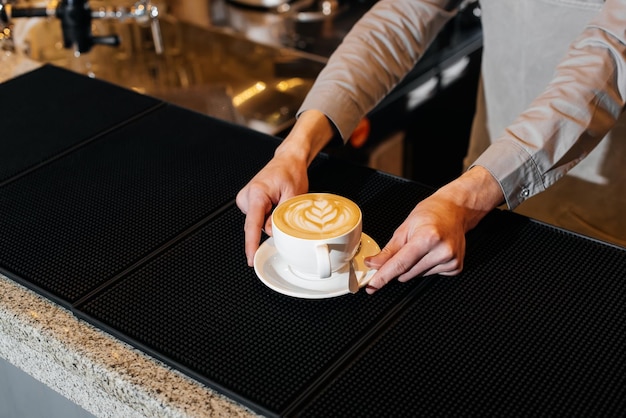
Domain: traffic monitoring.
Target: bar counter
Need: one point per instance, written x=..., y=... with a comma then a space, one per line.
x=124, y=279
x=103, y=375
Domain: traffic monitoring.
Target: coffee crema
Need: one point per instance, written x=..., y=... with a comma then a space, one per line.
x=316, y=216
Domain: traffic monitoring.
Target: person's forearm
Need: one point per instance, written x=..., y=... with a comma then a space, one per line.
x=582, y=102
x=377, y=53
x=307, y=138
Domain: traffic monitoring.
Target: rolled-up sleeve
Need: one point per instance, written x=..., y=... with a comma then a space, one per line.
x=373, y=58
x=572, y=115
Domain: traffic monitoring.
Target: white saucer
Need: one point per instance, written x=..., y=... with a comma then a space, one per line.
x=277, y=275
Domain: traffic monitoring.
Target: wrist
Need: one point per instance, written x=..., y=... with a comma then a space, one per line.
x=294, y=151
x=307, y=138
x=476, y=191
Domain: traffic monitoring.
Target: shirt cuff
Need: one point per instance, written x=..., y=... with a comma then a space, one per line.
x=345, y=114
x=514, y=169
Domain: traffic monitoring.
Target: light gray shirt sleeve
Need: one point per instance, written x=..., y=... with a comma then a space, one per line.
x=373, y=58
x=576, y=110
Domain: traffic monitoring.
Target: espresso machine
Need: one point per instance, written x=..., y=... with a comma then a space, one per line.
x=76, y=16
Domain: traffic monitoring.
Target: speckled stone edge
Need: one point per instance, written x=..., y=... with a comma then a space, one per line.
x=102, y=374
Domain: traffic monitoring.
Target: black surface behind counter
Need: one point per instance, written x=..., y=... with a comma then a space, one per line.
x=129, y=220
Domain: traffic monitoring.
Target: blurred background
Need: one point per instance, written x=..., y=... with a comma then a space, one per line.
x=251, y=62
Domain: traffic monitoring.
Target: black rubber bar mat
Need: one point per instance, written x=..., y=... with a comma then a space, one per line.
x=74, y=224
x=75, y=109
x=136, y=231
x=198, y=307
x=519, y=333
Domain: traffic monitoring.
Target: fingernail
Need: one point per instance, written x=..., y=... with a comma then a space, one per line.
x=368, y=263
x=370, y=290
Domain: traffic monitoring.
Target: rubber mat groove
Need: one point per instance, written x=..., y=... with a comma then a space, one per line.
x=53, y=109
x=356, y=349
x=154, y=253
x=80, y=144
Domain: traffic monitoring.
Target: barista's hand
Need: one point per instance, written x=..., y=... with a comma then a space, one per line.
x=283, y=177
x=432, y=238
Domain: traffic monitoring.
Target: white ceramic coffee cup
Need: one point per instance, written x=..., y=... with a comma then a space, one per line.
x=317, y=233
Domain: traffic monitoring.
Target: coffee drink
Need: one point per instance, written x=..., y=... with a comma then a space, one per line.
x=317, y=216
x=317, y=233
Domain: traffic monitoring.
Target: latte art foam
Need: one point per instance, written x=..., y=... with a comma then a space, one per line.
x=316, y=216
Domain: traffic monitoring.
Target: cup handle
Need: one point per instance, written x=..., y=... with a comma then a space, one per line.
x=323, y=261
